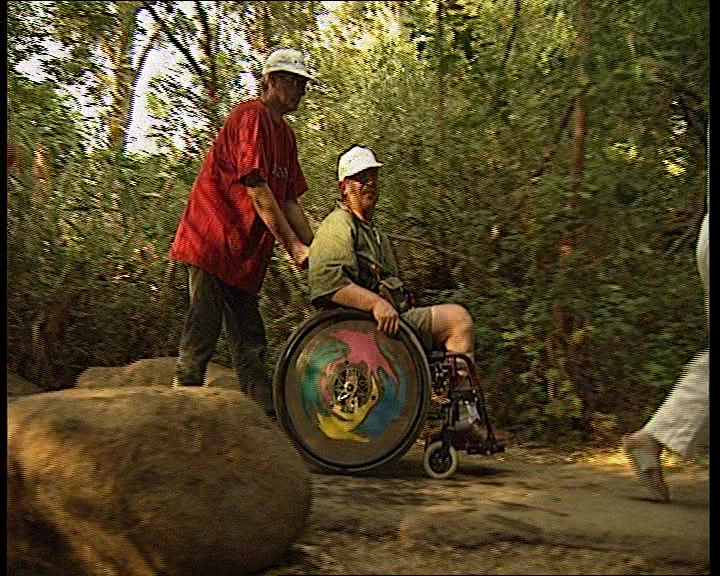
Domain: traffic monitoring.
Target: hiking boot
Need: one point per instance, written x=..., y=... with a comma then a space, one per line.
x=468, y=427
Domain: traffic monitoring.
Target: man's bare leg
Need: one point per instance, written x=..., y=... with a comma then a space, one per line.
x=452, y=328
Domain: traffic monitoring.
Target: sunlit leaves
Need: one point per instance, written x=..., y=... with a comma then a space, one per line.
x=26, y=22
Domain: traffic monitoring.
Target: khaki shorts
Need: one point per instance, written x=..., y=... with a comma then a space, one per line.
x=420, y=320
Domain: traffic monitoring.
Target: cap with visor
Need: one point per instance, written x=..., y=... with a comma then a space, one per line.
x=287, y=60
x=355, y=161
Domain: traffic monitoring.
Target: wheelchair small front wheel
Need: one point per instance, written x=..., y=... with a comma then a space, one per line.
x=440, y=461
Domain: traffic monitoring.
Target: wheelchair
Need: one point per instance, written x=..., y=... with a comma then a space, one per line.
x=352, y=398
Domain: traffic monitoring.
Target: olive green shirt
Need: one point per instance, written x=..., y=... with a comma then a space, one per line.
x=342, y=245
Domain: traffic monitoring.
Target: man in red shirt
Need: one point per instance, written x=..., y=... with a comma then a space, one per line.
x=244, y=199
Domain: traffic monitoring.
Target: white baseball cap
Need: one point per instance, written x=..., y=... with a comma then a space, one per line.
x=356, y=160
x=286, y=60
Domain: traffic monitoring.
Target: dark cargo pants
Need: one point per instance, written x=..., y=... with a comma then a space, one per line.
x=213, y=302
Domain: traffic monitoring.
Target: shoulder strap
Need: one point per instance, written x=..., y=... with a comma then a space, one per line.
x=355, y=229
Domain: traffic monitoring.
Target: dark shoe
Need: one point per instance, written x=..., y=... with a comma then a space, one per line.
x=477, y=435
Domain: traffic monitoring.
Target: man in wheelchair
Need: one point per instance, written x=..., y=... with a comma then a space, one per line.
x=351, y=264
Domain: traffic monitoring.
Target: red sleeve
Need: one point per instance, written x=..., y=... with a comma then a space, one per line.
x=297, y=183
x=245, y=143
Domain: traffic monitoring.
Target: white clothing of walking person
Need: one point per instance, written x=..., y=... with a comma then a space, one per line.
x=681, y=422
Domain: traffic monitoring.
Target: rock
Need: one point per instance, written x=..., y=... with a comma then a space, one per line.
x=463, y=528
x=100, y=377
x=149, y=481
x=18, y=386
x=152, y=372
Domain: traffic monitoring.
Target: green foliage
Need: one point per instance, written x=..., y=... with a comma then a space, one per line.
x=36, y=113
x=575, y=344
x=87, y=31
x=90, y=253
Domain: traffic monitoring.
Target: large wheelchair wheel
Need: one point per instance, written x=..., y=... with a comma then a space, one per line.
x=350, y=397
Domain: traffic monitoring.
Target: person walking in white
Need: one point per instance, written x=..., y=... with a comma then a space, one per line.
x=681, y=422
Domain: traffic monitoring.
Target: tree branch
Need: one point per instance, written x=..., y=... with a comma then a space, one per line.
x=136, y=77
x=144, y=53
x=185, y=52
x=511, y=39
x=495, y=104
x=211, y=63
x=552, y=148
x=545, y=164
x=457, y=255
x=440, y=15
x=202, y=16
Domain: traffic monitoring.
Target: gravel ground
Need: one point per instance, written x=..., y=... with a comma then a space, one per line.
x=529, y=511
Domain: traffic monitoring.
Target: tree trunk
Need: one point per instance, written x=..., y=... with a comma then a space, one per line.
x=122, y=75
x=580, y=132
x=441, y=87
x=137, y=71
x=208, y=43
x=558, y=343
x=567, y=244
x=41, y=175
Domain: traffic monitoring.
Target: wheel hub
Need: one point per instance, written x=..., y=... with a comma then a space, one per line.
x=440, y=461
x=351, y=388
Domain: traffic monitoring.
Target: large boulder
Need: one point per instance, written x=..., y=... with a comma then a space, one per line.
x=152, y=372
x=149, y=481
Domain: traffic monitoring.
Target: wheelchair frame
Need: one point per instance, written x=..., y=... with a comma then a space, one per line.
x=440, y=459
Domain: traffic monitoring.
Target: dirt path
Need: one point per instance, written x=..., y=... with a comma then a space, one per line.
x=524, y=512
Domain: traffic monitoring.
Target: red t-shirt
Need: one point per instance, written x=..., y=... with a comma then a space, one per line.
x=220, y=232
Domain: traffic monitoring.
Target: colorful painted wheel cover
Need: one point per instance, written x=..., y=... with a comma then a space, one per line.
x=352, y=393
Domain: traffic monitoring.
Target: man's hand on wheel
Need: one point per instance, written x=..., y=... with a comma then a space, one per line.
x=387, y=317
